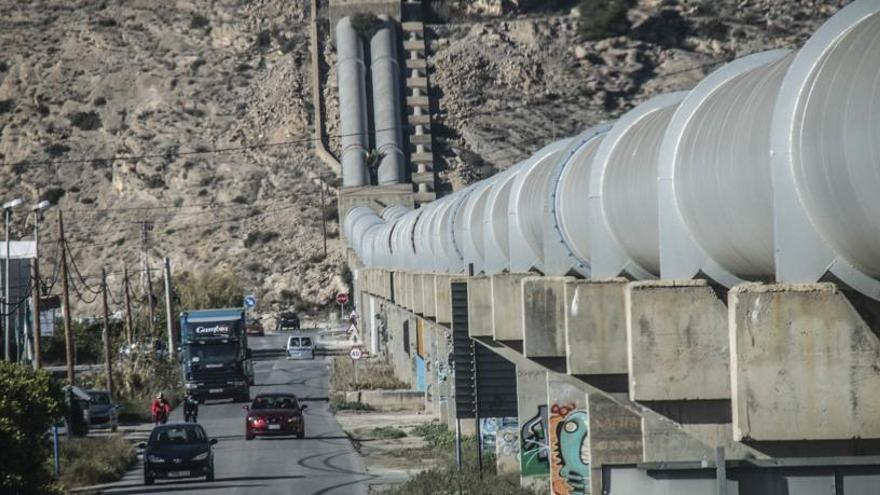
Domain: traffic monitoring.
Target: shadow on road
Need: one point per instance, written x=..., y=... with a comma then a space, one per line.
x=197, y=485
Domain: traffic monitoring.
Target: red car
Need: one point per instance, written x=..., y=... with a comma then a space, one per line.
x=255, y=327
x=274, y=414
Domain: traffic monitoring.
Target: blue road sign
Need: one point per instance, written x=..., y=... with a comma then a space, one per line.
x=250, y=301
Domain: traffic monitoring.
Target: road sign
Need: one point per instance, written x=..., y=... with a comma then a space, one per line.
x=355, y=353
x=342, y=298
x=250, y=301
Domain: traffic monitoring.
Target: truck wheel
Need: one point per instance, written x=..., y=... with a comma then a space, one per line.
x=148, y=478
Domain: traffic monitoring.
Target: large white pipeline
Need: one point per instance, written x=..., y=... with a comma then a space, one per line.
x=768, y=169
x=386, y=103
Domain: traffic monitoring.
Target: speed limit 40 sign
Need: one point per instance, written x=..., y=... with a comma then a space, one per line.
x=356, y=353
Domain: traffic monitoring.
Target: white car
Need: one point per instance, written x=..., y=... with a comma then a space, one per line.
x=300, y=347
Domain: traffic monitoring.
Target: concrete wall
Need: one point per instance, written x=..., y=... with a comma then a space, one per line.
x=479, y=307
x=531, y=391
x=507, y=325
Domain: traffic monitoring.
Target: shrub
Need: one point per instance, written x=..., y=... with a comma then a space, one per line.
x=387, y=433
x=87, y=121
x=199, y=21
x=57, y=149
x=209, y=289
x=372, y=375
x=31, y=402
x=365, y=24
x=90, y=461
x=338, y=403
x=449, y=480
x=5, y=106
x=604, y=18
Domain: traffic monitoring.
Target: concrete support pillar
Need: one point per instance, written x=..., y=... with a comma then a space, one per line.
x=544, y=320
x=479, y=306
x=531, y=392
x=429, y=303
x=443, y=298
x=397, y=292
x=595, y=333
x=804, y=365
x=568, y=429
x=416, y=294
x=507, y=310
x=615, y=437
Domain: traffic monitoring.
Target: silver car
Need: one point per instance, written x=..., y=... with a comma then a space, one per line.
x=103, y=413
x=300, y=347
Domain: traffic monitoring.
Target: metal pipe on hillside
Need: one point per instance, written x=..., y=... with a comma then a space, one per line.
x=387, y=117
x=350, y=74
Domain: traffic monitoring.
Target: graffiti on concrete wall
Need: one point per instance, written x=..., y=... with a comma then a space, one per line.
x=568, y=430
x=507, y=442
x=534, y=450
x=491, y=430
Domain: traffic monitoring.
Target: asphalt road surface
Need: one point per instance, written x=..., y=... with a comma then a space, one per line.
x=323, y=463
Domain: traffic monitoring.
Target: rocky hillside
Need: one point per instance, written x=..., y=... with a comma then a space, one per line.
x=116, y=109
x=515, y=74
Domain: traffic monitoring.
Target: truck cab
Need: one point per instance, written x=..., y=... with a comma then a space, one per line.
x=214, y=354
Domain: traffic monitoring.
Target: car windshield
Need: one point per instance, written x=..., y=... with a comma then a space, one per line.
x=274, y=402
x=299, y=342
x=212, y=352
x=306, y=342
x=182, y=434
x=101, y=398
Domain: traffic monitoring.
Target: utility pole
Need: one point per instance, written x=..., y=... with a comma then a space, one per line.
x=323, y=218
x=169, y=321
x=35, y=307
x=108, y=359
x=146, y=227
x=129, y=328
x=65, y=299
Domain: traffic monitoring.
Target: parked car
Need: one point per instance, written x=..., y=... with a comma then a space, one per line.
x=274, y=414
x=103, y=413
x=180, y=450
x=255, y=328
x=287, y=322
x=300, y=347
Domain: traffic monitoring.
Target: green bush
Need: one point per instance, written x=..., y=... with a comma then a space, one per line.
x=372, y=375
x=448, y=480
x=30, y=402
x=437, y=435
x=387, y=433
x=90, y=461
x=604, y=18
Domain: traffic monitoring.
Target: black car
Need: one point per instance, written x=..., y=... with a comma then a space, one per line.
x=178, y=451
x=287, y=322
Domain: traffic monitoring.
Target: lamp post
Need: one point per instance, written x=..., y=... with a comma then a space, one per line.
x=7, y=323
x=38, y=210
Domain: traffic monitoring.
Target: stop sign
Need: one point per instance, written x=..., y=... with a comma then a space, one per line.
x=342, y=298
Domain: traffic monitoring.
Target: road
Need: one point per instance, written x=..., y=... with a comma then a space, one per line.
x=323, y=463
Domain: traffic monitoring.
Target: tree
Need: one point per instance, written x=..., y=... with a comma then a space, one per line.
x=374, y=159
x=30, y=402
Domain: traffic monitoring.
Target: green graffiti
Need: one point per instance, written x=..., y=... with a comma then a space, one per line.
x=573, y=433
x=535, y=454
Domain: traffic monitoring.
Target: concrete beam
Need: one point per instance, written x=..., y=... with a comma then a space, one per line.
x=544, y=320
x=531, y=393
x=507, y=310
x=595, y=333
x=479, y=306
x=615, y=437
x=674, y=328
x=443, y=298
x=429, y=303
x=417, y=301
x=805, y=364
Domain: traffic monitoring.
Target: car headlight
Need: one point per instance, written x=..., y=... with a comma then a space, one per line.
x=201, y=457
x=155, y=459
x=293, y=419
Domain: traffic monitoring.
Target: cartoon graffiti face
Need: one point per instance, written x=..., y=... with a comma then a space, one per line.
x=535, y=453
x=574, y=453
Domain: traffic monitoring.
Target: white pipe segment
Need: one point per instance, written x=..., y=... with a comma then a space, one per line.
x=715, y=177
x=387, y=117
x=350, y=74
x=624, y=231
x=358, y=220
x=569, y=205
x=497, y=240
x=402, y=248
x=473, y=226
x=826, y=162
x=528, y=208
x=423, y=241
x=454, y=261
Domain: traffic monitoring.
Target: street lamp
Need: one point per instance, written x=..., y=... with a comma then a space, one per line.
x=38, y=210
x=7, y=324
